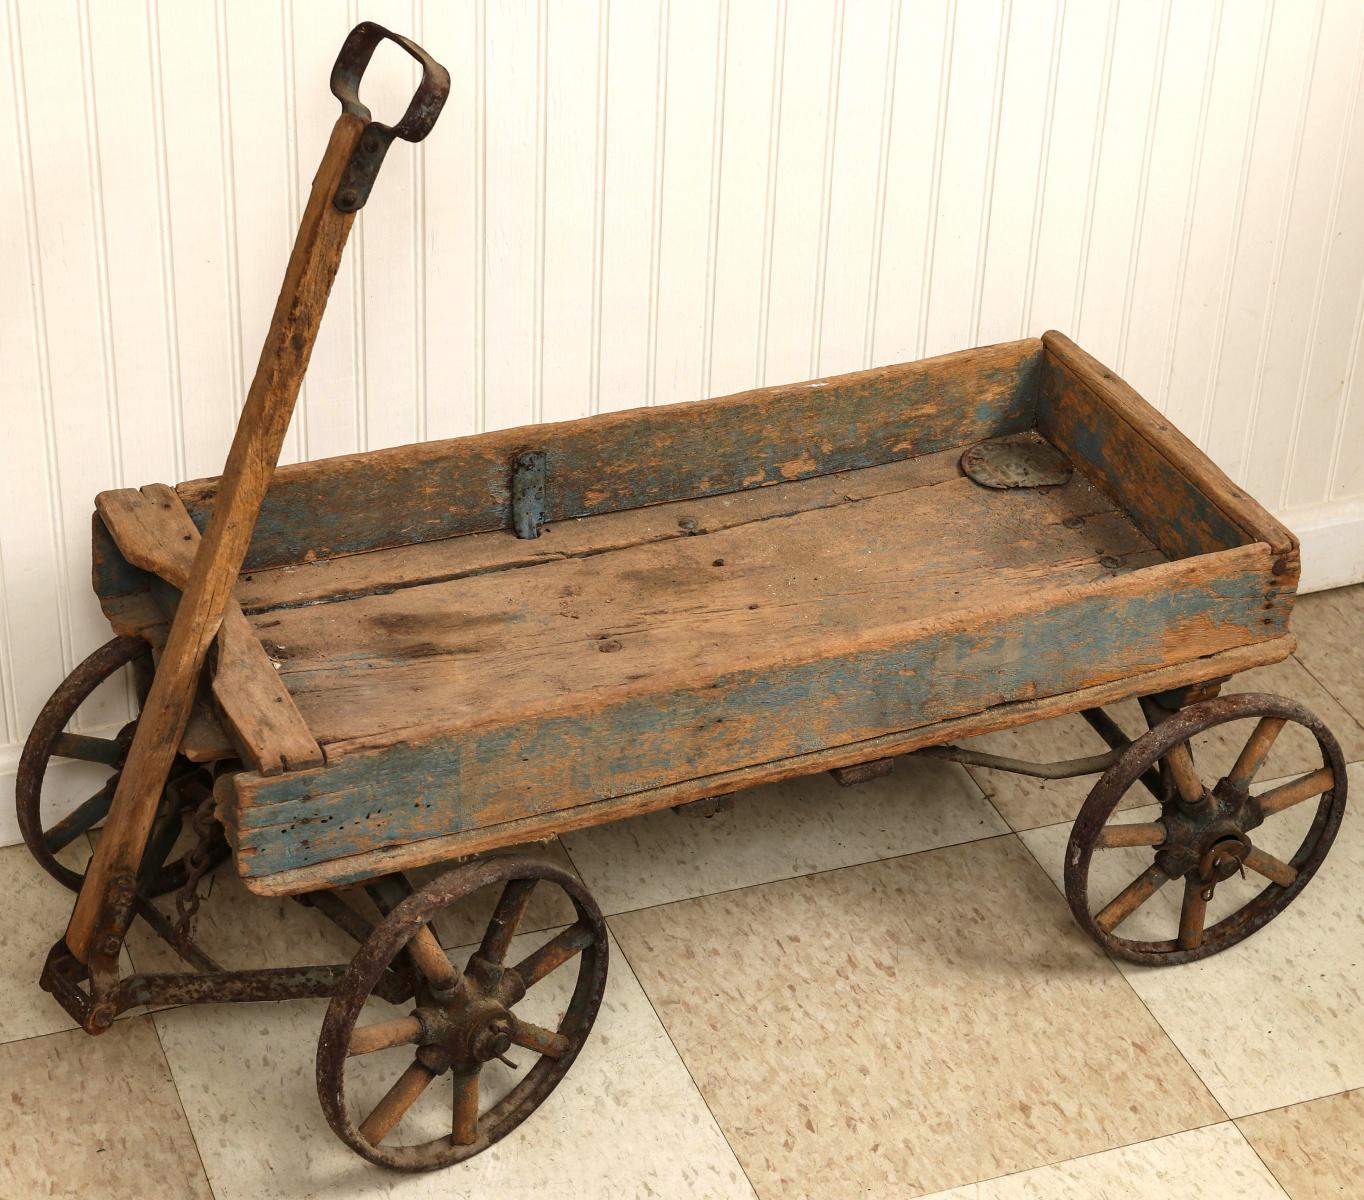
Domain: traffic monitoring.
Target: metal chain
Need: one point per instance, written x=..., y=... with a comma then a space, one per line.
x=197, y=861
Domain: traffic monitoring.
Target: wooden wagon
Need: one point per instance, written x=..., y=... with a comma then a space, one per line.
x=357, y=667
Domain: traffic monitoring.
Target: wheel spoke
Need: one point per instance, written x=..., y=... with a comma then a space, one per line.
x=90, y=749
x=431, y=960
x=384, y=1035
x=1141, y=833
x=1295, y=792
x=464, y=1127
x=553, y=954
x=1256, y=750
x=537, y=1038
x=1185, y=775
x=1275, y=869
x=1131, y=898
x=89, y=813
x=399, y=1098
x=1193, y=914
x=511, y=907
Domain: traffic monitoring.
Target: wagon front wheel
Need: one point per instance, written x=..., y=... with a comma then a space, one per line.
x=1221, y=844
x=495, y=1038
x=51, y=739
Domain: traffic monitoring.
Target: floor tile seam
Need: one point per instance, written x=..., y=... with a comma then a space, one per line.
x=180, y=1100
x=667, y=1033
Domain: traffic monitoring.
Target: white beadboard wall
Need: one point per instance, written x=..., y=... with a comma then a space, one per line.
x=641, y=201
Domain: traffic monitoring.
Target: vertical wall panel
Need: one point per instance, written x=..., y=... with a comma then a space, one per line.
x=686, y=216
x=753, y=85
x=648, y=201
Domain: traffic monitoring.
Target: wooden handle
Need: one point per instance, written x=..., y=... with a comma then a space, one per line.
x=250, y=464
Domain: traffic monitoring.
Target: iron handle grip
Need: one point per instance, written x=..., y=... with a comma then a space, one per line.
x=416, y=122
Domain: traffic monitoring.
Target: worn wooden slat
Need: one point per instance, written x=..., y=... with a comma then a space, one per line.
x=250, y=463
x=1174, y=492
x=582, y=630
x=392, y=568
x=366, y=864
x=505, y=765
x=622, y=460
x=155, y=533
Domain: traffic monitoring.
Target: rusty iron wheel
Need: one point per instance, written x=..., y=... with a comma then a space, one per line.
x=1205, y=834
x=49, y=739
x=461, y=1020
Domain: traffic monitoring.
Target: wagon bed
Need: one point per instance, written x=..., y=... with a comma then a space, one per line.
x=772, y=583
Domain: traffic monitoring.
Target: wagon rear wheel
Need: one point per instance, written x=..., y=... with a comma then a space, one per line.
x=467, y=1025
x=1208, y=835
x=50, y=739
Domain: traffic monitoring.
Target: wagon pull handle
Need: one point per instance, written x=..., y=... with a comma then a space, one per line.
x=354, y=152
x=427, y=101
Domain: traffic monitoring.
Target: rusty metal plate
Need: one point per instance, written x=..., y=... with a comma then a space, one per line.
x=1021, y=460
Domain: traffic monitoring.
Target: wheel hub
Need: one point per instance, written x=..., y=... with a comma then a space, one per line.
x=469, y=1030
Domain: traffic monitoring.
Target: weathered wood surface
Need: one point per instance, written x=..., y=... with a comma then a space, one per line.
x=313, y=263
x=374, y=861
x=531, y=755
x=396, y=568
x=155, y=533
x=623, y=460
x=575, y=632
x=1170, y=488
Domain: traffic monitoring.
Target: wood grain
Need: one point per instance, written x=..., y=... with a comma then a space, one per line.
x=1172, y=490
x=154, y=532
x=529, y=756
x=367, y=863
x=582, y=630
x=641, y=456
x=250, y=463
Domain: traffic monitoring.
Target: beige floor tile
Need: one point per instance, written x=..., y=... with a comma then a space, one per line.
x=94, y=1117
x=1316, y=1150
x=907, y=1025
x=1330, y=629
x=36, y=909
x=1029, y=803
x=781, y=830
x=626, y=1121
x=1211, y=1164
x=1277, y=1019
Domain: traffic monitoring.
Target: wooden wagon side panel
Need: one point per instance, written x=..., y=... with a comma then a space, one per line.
x=515, y=767
x=623, y=460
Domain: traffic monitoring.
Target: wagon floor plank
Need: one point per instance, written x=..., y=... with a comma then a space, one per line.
x=653, y=598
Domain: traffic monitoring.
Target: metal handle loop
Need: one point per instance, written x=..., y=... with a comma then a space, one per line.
x=416, y=123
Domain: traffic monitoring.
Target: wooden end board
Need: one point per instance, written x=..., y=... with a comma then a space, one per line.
x=1173, y=492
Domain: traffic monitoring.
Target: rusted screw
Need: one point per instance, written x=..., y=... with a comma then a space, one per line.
x=687, y=524
x=109, y=945
x=608, y=646
x=348, y=199
x=1073, y=522
x=1109, y=561
x=719, y=562
x=102, y=1016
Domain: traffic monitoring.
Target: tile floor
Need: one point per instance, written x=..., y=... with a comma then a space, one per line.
x=872, y=992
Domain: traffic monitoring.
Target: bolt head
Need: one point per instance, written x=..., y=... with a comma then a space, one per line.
x=109, y=945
